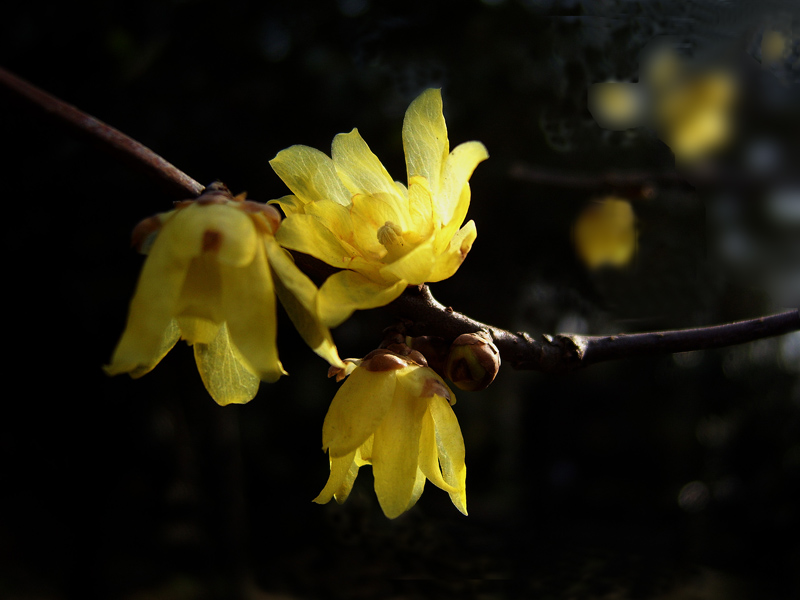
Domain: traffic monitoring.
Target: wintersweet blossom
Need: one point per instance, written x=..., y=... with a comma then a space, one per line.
x=210, y=278
x=394, y=413
x=348, y=212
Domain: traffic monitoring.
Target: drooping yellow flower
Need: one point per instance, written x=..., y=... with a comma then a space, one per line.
x=210, y=278
x=605, y=233
x=396, y=415
x=348, y=212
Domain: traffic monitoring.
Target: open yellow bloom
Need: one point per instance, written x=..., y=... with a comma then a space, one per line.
x=348, y=212
x=210, y=278
x=394, y=414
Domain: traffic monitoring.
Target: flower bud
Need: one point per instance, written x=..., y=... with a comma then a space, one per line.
x=473, y=361
x=383, y=360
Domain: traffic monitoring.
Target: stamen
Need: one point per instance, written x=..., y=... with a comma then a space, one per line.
x=390, y=235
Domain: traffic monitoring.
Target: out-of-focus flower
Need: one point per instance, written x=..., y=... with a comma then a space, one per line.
x=690, y=108
x=394, y=413
x=617, y=105
x=348, y=212
x=605, y=233
x=210, y=278
x=694, y=116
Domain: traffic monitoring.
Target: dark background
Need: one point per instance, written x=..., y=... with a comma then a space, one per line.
x=666, y=477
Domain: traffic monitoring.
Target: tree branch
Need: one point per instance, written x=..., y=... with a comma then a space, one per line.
x=417, y=304
x=563, y=352
x=107, y=137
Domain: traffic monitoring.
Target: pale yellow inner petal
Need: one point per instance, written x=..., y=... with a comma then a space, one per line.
x=358, y=168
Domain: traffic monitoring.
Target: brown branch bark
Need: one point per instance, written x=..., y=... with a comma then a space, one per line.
x=563, y=352
x=417, y=304
x=107, y=137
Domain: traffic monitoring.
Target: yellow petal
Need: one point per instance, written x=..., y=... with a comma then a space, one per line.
x=364, y=452
x=419, y=487
x=414, y=267
x=357, y=410
x=359, y=169
x=226, y=378
x=298, y=294
x=126, y=353
x=425, y=138
x=429, y=455
x=395, y=453
x=310, y=174
x=347, y=291
x=308, y=234
x=189, y=230
x=343, y=474
x=290, y=204
x=448, y=230
x=149, y=333
x=450, y=445
x=248, y=305
x=197, y=330
x=449, y=261
x=458, y=168
x=370, y=213
x=336, y=218
x=201, y=298
x=420, y=207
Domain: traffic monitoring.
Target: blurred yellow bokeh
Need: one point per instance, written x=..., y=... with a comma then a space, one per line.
x=616, y=105
x=690, y=107
x=774, y=45
x=605, y=233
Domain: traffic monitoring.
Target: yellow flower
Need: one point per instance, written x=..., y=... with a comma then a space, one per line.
x=348, y=212
x=210, y=277
x=394, y=414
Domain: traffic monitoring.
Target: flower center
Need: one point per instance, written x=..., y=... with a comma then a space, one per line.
x=390, y=237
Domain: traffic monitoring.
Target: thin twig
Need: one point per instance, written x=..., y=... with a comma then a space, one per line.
x=567, y=351
x=105, y=135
